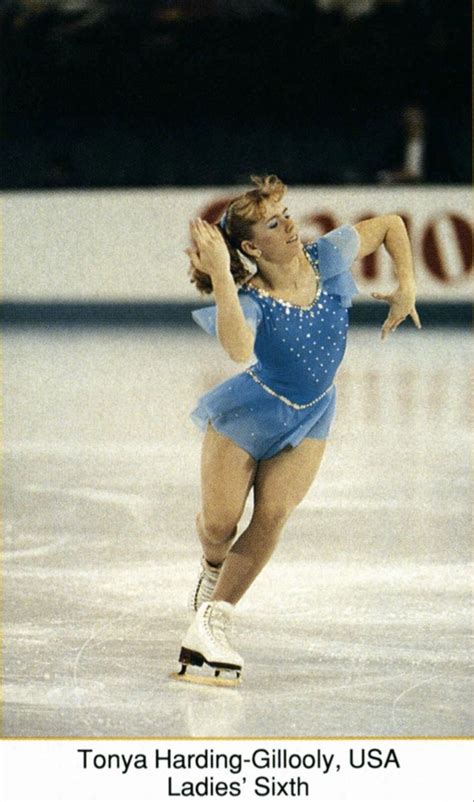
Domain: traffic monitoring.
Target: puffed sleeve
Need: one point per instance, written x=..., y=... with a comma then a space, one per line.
x=206, y=317
x=336, y=252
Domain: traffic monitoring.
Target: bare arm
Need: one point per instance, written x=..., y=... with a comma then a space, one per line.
x=212, y=257
x=235, y=335
x=390, y=230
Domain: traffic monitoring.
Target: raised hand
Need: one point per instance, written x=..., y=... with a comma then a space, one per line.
x=402, y=305
x=210, y=254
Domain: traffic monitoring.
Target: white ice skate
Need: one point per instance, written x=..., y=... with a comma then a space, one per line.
x=204, y=587
x=206, y=642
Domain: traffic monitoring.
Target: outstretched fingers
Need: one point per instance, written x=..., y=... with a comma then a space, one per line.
x=390, y=325
x=203, y=232
x=415, y=318
x=198, y=232
x=395, y=317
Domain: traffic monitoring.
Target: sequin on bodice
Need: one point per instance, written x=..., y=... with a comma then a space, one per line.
x=299, y=348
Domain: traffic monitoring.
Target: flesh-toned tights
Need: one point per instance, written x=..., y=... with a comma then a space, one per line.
x=228, y=473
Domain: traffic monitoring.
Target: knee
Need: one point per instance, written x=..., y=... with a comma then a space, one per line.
x=216, y=530
x=273, y=515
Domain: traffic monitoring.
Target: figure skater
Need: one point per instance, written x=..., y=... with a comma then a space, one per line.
x=266, y=428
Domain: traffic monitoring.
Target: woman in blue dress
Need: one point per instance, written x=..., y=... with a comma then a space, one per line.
x=266, y=428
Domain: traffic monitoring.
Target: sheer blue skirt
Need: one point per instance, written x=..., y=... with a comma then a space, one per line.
x=257, y=421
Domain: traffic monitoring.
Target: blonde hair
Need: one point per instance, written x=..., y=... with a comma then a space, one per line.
x=240, y=216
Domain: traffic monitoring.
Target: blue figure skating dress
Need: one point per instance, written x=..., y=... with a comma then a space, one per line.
x=288, y=394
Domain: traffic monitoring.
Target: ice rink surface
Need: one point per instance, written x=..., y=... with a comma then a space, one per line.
x=359, y=626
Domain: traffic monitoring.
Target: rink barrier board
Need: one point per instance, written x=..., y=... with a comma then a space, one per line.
x=129, y=246
x=457, y=314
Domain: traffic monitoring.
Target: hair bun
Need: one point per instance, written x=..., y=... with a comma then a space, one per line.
x=268, y=185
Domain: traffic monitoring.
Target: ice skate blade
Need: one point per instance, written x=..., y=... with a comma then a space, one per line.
x=205, y=680
x=189, y=657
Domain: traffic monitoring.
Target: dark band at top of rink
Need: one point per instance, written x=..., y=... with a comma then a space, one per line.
x=456, y=314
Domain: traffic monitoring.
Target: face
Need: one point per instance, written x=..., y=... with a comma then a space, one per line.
x=276, y=235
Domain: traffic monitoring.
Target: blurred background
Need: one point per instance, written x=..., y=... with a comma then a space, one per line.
x=109, y=93
x=120, y=121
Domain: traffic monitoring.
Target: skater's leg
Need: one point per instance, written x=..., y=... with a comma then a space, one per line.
x=227, y=475
x=281, y=483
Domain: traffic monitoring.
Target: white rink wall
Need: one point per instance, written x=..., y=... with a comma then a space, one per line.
x=128, y=245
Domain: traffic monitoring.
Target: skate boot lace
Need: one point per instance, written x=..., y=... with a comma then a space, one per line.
x=218, y=625
x=208, y=580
